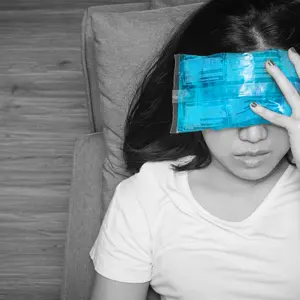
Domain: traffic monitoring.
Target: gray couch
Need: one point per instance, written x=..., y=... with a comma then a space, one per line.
x=84, y=203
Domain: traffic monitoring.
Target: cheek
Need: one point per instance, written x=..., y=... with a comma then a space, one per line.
x=219, y=142
x=280, y=141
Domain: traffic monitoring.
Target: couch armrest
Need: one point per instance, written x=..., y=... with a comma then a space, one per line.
x=84, y=216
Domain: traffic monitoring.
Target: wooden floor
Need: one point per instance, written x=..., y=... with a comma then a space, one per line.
x=42, y=113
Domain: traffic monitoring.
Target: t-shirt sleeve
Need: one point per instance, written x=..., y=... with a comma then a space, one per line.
x=122, y=250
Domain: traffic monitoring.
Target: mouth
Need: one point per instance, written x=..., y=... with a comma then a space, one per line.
x=251, y=159
x=253, y=153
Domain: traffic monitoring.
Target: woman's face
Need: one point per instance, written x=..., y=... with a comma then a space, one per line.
x=230, y=146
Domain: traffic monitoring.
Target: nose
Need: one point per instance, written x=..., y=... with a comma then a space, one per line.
x=253, y=134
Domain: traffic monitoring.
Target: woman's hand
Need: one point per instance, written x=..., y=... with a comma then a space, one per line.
x=292, y=123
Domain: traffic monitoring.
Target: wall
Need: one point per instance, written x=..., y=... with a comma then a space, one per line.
x=42, y=114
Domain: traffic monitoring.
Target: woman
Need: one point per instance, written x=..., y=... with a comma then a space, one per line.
x=196, y=221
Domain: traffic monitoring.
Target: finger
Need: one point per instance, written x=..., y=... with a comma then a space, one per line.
x=295, y=59
x=271, y=116
x=289, y=91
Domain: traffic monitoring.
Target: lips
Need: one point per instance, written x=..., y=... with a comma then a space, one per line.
x=253, y=153
x=253, y=161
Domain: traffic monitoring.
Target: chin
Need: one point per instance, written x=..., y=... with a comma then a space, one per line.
x=252, y=170
x=253, y=173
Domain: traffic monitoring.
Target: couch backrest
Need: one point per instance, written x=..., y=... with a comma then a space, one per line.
x=88, y=58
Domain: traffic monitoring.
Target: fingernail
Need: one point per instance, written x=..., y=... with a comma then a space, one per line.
x=253, y=104
x=293, y=50
x=271, y=63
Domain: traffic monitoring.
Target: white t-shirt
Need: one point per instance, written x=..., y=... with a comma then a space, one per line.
x=155, y=230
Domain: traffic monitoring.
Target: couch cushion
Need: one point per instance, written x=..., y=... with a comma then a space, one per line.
x=88, y=58
x=124, y=44
x=165, y=3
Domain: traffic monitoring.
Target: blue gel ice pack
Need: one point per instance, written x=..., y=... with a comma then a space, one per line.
x=215, y=91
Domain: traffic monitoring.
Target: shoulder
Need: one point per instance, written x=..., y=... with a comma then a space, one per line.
x=160, y=172
x=151, y=178
x=149, y=187
x=156, y=172
x=151, y=174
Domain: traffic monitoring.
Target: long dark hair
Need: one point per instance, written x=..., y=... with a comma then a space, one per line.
x=217, y=26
